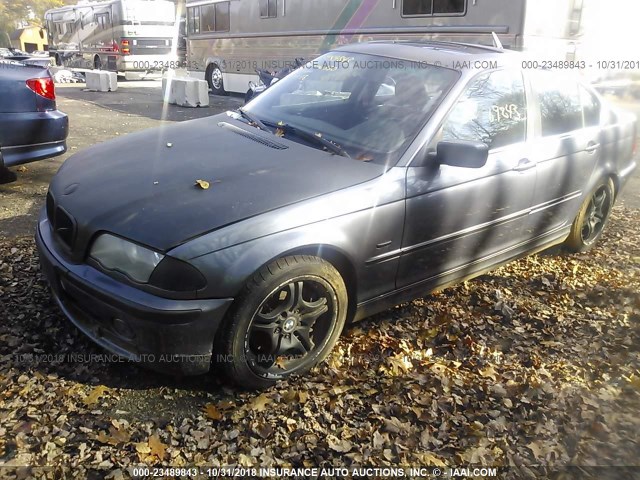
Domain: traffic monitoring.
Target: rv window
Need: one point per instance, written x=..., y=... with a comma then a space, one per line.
x=575, y=20
x=222, y=17
x=493, y=111
x=268, y=8
x=208, y=18
x=194, y=19
x=433, y=7
x=103, y=21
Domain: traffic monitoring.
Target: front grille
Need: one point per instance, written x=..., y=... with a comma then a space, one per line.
x=63, y=225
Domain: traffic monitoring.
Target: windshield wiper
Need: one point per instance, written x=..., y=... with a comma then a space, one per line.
x=312, y=137
x=253, y=119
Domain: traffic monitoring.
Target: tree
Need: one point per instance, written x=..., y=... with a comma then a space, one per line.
x=17, y=12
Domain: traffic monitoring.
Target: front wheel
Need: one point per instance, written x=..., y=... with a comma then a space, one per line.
x=286, y=321
x=592, y=217
x=215, y=80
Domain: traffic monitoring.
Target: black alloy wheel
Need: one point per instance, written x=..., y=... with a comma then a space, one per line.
x=592, y=218
x=285, y=322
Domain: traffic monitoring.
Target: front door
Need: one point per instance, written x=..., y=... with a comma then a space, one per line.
x=458, y=218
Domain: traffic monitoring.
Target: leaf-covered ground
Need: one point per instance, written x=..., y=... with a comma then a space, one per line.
x=536, y=364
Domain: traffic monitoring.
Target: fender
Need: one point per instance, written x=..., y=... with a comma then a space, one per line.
x=345, y=241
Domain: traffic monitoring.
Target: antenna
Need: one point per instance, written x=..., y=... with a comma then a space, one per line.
x=496, y=41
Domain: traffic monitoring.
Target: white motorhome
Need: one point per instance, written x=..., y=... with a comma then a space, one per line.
x=229, y=39
x=128, y=36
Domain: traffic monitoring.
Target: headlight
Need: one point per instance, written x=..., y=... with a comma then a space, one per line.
x=134, y=261
x=143, y=265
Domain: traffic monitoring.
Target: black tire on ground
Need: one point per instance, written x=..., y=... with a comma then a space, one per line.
x=97, y=63
x=592, y=217
x=248, y=96
x=215, y=80
x=58, y=60
x=286, y=320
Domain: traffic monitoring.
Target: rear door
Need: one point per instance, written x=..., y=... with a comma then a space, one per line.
x=566, y=148
x=457, y=218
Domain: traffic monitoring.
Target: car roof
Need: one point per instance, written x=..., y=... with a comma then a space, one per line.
x=446, y=54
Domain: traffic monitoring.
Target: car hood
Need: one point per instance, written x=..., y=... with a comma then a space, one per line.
x=143, y=186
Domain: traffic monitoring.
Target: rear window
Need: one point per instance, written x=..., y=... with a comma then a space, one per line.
x=560, y=104
x=591, y=106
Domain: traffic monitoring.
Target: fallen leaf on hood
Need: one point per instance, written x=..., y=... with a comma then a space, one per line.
x=203, y=184
x=279, y=132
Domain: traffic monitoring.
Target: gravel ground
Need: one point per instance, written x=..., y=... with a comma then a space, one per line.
x=535, y=366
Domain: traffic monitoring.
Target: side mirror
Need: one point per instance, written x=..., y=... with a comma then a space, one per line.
x=462, y=153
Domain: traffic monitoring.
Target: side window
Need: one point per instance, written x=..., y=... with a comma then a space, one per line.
x=222, y=17
x=560, y=104
x=433, y=7
x=193, y=14
x=591, y=107
x=493, y=110
x=268, y=8
x=208, y=18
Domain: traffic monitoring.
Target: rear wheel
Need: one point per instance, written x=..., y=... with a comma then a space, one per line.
x=285, y=322
x=592, y=218
x=215, y=80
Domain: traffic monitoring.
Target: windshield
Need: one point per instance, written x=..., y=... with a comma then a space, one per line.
x=148, y=12
x=372, y=107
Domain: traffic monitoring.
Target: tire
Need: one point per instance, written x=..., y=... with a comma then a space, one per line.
x=58, y=60
x=97, y=63
x=248, y=96
x=286, y=320
x=215, y=80
x=592, y=217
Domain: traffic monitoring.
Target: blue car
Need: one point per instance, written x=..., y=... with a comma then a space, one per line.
x=31, y=127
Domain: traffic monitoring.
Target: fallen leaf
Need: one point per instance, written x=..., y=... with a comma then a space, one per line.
x=156, y=447
x=259, y=403
x=212, y=412
x=143, y=447
x=95, y=395
x=203, y=184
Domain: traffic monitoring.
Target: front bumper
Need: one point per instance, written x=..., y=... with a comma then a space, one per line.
x=172, y=336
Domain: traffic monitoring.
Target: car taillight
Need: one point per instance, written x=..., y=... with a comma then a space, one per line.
x=125, y=47
x=43, y=87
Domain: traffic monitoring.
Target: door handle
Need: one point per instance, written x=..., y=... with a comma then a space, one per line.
x=524, y=165
x=592, y=147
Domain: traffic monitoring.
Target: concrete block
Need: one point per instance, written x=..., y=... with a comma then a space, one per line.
x=101, y=81
x=185, y=91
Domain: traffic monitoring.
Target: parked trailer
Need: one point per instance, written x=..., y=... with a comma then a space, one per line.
x=133, y=37
x=229, y=39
